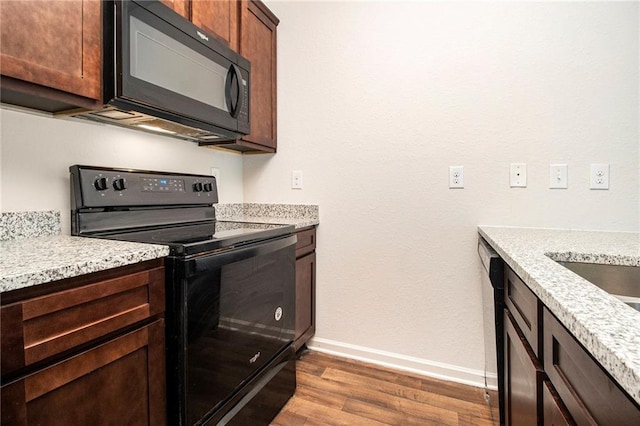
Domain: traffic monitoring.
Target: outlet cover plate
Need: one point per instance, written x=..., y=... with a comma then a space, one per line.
x=599, y=176
x=456, y=177
x=296, y=179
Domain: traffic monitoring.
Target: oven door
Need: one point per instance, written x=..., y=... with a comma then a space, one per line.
x=229, y=314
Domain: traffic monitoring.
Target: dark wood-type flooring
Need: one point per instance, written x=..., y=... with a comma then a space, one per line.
x=339, y=391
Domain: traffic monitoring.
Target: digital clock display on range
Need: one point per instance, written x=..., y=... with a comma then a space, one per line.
x=162, y=185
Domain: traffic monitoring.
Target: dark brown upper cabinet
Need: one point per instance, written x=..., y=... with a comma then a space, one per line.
x=219, y=17
x=258, y=44
x=179, y=6
x=50, y=54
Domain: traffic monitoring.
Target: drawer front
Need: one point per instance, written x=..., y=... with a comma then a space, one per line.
x=591, y=397
x=44, y=326
x=523, y=305
x=306, y=241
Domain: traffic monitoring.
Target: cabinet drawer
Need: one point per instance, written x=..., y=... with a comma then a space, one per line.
x=306, y=241
x=581, y=382
x=523, y=305
x=37, y=328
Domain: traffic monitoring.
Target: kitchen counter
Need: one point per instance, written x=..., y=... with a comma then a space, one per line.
x=31, y=261
x=34, y=253
x=605, y=326
x=299, y=215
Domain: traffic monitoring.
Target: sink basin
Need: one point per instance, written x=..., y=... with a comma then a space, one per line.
x=620, y=281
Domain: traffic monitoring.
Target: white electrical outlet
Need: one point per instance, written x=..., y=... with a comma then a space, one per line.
x=558, y=176
x=599, y=176
x=456, y=177
x=215, y=172
x=518, y=175
x=296, y=179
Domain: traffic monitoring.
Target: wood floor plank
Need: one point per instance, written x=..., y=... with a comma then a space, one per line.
x=288, y=418
x=339, y=391
x=306, y=390
x=323, y=360
x=319, y=414
x=417, y=395
x=404, y=413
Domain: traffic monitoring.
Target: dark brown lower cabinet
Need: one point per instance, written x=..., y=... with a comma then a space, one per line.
x=118, y=382
x=305, y=286
x=590, y=395
x=86, y=350
x=559, y=383
x=522, y=376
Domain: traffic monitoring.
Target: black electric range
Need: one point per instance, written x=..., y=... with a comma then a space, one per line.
x=230, y=290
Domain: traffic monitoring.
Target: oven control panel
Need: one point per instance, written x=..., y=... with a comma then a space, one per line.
x=106, y=187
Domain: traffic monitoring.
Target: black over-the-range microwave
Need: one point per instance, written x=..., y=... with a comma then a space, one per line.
x=162, y=74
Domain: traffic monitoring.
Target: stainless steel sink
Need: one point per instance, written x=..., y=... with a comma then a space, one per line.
x=620, y=281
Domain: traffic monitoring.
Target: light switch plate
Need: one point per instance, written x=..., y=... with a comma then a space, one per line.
x=558, y=176
x=518, y=175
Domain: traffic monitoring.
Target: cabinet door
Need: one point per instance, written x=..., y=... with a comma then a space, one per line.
x=258, y=45
x=591, y=397
x=54, y=44
x=522, y=376
x=305, y=299
x=179, y=6
x=553, y=411
x=120, y=382
x=218, y=17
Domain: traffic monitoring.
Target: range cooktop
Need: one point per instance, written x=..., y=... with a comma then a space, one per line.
x=189, y=239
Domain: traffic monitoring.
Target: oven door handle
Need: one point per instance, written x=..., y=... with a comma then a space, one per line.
x=201, y=264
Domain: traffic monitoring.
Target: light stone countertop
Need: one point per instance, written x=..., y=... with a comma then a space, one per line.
x=299, y=215
x=33, y=252
x=607, y=327
x=30, y=261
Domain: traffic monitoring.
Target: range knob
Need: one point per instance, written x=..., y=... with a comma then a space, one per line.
x=100, y=183
x=197, y=187
x=119, y=184
x=208, y=187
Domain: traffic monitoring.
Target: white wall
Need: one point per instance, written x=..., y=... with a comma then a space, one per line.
x=377, y=99
x=36, y=153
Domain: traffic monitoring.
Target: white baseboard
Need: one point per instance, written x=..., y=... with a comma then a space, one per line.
x=396, y=361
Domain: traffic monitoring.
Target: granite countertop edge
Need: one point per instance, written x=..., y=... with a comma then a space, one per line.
x=31, y=261
x=605, y=326
x=297, y=223
x=298, y=215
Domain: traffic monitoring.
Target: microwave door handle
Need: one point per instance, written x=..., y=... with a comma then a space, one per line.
x=234, y=107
